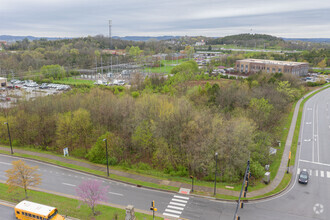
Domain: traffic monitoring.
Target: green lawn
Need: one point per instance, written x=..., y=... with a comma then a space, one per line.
x=66, y=206
x=73, y=81
x=170, y=64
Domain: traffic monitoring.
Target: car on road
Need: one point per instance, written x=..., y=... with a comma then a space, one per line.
x=303, y=177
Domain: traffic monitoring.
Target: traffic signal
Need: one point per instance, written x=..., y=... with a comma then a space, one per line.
x=153, y=206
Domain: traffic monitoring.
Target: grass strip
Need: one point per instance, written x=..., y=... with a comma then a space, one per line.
x=67, y=206
x=96, y=172
x=283, y=184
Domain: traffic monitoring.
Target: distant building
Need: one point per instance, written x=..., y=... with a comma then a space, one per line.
x=114, y=52
x=271, y=66
x=201, y=43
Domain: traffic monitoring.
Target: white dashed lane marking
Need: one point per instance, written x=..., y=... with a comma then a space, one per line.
x=117, y=194
x=68, y=184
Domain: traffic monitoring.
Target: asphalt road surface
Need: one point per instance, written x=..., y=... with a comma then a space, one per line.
x=65, y=181
x=6, y=213
x=310, y=201
x=299, y=202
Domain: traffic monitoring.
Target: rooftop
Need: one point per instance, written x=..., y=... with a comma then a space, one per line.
x=34, y=207
x=277, y=62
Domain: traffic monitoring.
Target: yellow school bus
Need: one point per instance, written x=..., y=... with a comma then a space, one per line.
x=27, y=210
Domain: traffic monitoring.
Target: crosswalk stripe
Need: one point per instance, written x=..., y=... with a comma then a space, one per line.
x=168, y=214
x=298, y=171
x=181, y=197
x=310, y=172
x=174, y=207
x=316, y=173
x=179, y=200
x=179, y=204
x=322, y=173
x=173, y=211
x=304, y=169
x=328, y=174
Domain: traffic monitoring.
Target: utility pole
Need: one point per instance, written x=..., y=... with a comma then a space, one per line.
x=110, y=37
x=215, y=174
x=106, y=152
x=11, y=147
x=245, y=182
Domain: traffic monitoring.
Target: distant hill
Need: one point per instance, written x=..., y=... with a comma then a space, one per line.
x=314, y=40
x=233, y=39
x=247, y=40
x=10, y=38
x=146, y=38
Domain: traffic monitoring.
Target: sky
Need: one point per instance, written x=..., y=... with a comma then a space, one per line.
x=212, y=18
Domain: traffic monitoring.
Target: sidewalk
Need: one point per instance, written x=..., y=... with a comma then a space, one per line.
x=207, y=190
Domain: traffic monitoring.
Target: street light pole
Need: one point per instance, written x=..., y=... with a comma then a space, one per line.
x=215, y=174
x=106, y=151
x=11, y=147
x=192, y=183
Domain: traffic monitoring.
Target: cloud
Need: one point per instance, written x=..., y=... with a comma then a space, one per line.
x=168, y=17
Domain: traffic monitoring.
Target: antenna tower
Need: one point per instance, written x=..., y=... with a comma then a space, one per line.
x=110, y=37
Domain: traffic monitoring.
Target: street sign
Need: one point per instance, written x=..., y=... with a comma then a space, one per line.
x=66, y=151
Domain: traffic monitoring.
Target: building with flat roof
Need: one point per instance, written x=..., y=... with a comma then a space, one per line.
x=271, y=66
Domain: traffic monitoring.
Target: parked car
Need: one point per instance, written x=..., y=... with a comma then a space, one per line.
x=303, y=177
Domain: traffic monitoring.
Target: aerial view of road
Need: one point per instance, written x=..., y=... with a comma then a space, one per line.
x=304, y=201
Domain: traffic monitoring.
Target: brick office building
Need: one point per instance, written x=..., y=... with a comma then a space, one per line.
x=271, y=66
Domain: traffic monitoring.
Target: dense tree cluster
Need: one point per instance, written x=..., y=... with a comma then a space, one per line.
x=176, y=133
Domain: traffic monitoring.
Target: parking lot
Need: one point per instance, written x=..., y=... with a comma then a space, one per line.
x=27, y=90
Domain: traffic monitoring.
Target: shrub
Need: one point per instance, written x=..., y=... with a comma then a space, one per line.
x=256, y=169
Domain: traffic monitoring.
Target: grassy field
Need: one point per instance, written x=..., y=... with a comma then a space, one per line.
x=73, y=81
x=66, y=206
x=170, y=64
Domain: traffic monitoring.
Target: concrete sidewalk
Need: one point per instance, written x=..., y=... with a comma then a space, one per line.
x=207, y=190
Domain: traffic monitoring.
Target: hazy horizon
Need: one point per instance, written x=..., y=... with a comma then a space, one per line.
x=211, y=18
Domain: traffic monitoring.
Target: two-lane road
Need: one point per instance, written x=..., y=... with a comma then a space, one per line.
x=62, y=180
x=301, y=201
